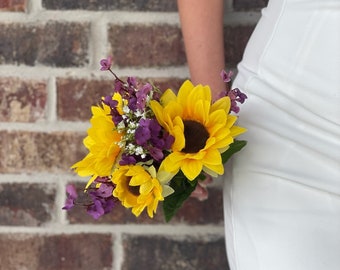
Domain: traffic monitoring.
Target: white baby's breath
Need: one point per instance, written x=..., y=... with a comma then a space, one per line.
x=126, y=109
x=139, y=113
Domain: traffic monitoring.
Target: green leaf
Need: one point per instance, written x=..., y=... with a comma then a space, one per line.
x=183, y=188
x=233, y=148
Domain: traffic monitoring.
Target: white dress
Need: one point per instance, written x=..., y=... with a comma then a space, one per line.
x=282, y=195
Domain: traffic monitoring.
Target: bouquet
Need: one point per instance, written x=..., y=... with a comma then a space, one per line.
x=147, y=146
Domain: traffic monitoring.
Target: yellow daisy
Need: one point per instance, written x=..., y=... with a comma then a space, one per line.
x=140, y=187
x=202, y=129
x=102, y=143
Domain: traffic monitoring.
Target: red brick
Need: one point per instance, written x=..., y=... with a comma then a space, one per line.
x=51, y=252
x=76, y=96
x=193, y=212
x=166, y=83
x=26, y=151
x=235, y=41
x=19, y=204
x=22, y=100
x=13, y=5
x=146, y=45
x=162, y=45
x=209, y=211
x=173, y=253
x=61, y=44
x=241, y=5
x=140, y=5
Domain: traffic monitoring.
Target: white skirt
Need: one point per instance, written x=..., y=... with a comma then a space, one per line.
x=282, y=194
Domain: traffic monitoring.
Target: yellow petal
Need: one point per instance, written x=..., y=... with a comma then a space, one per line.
x=158, y=111
x=172, y=110
x=212, y=157
x=184, y=92
x=146, y=188
x=221, y=104
x=236, y=130
x=200, y=111
x=201, y=92
x=168, y=96
x=216, y=121
x=117, y=97
x=191, y=168
x=171, y=163
x=179, y=142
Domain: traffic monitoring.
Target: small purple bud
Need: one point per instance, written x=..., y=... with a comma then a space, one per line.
x=109, y=102
x=69, y=203
x=142, y=94
x=96, y=210
x=132, y=82
x=169, y=140
x=235, y=96
x=71, y=197
x=105, y=190
x=155, y=128
x=118, y=86
x=109, y=204
x=156, y=153
x=71, y=190
x=234, y=108
x=142, y=135
x=106, y=63
x=127, y=160
x=226, y=77
x=132, y=103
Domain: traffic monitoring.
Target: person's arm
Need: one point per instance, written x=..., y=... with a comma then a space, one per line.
x=202, y=29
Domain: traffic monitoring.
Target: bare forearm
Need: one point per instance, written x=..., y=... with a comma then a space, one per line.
x=202, y=28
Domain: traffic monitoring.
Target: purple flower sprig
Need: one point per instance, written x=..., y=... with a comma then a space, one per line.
x=143, y=138
x=235, y=95
x=99, y=200
x=151, y=137
x=106, y=64
x=101, y=197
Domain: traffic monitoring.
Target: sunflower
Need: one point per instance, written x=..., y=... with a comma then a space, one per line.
x=202, y=129
x=102, y=143
x=139, y=187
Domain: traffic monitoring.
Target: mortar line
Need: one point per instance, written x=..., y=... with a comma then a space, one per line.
x=45, y=72
x=118, y=252
x=60, y=215
x=34, y=7
x=38, y=15
x=166, y=230
x=51, y=104
x=98, y=47
x=39, y=178
x=46, y=127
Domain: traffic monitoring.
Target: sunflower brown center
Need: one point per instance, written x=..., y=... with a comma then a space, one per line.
x=133, y=189
x=195, y=135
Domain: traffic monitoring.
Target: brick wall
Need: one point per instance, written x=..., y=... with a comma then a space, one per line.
x=49, y=78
